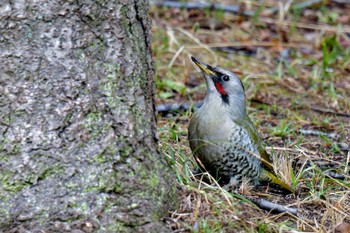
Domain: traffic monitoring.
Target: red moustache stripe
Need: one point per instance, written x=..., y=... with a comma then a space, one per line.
x=220, y=88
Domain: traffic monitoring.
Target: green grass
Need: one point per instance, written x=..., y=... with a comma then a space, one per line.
x=284, y=95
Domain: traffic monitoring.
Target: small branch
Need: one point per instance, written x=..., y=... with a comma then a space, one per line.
x=320, y=164
x=238, y=49
x=200, y=5
x=274, y=207
x=335, y=175
x=331, y=112
x=318, y=133
x=166, y=108
x=267, y=205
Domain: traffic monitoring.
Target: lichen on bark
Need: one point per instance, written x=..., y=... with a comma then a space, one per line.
x=78, y=148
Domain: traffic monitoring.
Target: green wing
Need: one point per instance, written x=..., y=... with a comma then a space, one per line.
x=265, y=159
x=268, y=173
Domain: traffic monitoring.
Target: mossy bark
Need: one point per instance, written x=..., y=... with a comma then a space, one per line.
x=78, y=148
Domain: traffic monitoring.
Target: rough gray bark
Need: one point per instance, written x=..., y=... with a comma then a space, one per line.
x=77, y=130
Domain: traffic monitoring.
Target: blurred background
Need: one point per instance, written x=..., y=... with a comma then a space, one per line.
x=293, y=58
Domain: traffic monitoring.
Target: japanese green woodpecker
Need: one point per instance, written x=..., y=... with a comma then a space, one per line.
x=223, y=139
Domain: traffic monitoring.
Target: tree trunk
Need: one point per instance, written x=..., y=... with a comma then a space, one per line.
x=78, y=149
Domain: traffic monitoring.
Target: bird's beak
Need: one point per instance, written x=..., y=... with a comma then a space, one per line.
x=204, y=67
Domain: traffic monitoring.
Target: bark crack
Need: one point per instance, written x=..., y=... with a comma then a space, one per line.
x=143, y=26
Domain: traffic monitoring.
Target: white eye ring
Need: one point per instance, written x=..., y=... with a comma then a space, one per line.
x=225, y=77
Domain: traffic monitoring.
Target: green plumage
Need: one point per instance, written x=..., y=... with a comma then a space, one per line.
x=222, y=137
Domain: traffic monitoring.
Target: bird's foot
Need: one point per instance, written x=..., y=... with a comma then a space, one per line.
x=232, y=185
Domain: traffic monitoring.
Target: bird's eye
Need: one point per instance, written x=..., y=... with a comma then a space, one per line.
x=225, y=77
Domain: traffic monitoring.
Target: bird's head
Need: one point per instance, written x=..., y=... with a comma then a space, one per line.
x=223, y=85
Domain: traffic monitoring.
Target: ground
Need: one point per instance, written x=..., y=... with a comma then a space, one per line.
x=294, y=61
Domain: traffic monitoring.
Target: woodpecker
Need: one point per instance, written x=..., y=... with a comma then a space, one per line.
x=223, y=139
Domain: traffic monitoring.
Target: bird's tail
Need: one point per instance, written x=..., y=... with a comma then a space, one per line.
x=273, y=179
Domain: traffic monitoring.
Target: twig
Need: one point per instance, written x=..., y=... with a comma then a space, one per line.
x=200, y=5
x=166, y=108
x=318, y=133
x=267, y=205
x=328, y=111
x=319, y=163
x=274, y=207
x=175, y=56
x=335, y=175
x=238, y=49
